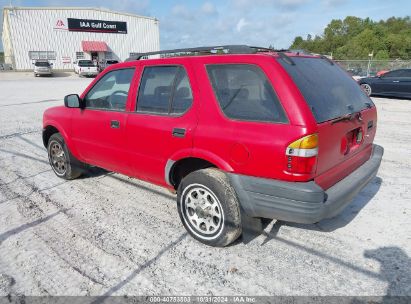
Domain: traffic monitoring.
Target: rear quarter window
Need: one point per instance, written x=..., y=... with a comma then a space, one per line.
x=244, y=93
x=328, y=90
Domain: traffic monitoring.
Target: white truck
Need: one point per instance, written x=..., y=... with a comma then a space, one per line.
x=85, y=68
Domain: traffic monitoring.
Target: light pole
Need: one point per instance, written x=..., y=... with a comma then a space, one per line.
x=370, y=56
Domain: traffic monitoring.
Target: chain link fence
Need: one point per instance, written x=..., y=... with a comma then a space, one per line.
x=365, y=68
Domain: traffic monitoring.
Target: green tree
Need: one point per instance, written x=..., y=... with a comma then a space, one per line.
x=355, y=38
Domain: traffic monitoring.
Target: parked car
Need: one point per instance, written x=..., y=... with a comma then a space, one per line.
x=42, y=68
x=395, y=83
x=240, y=136
x=5, y=67
x=106, y=63
x=85, y=68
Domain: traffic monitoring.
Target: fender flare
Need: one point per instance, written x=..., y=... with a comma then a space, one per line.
x=194, y=153
x=63, y=133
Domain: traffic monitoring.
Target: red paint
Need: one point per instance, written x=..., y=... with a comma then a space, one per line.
x=144, y=143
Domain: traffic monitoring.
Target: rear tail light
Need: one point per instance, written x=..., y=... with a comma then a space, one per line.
x=302, y=155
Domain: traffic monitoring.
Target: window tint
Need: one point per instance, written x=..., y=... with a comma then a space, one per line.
x=111, y=91
x=164, y=90
x=244, y=92
x=406, y=73
x=182, y=97
x=398, y=73
x=42, y=64
x=85, y=63
x=329, y=91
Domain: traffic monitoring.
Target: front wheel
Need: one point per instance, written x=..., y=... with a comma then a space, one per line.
x=209, y=208
x=367, y=88
x=63, y=163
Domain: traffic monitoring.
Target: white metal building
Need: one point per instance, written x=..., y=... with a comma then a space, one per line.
x=65, y=34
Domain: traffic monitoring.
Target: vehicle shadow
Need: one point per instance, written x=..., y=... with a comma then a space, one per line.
x=326, y=225
x=395, y=268
x=62, y=74
x=97, y=172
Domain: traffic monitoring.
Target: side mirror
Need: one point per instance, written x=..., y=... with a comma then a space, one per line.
x=72, y=101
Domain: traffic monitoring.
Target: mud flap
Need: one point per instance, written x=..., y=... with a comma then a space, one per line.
x=252, y=227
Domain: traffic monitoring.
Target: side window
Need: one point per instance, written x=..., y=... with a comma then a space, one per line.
x=164, y=90
x=244, y=93
x=182, y=98
x=111, y=91
x=393, y=74
x=406, y=73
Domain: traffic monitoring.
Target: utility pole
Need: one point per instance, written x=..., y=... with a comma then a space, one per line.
x=370, y=56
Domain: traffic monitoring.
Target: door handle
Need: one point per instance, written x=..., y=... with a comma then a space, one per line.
x=395, y=81
x=115, y=124
x=179, y=132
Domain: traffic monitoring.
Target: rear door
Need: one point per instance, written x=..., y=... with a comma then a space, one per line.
x=346, y=117
x=163, y=121
x=405, y=83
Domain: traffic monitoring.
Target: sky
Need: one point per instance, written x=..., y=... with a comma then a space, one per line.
x=254, y=22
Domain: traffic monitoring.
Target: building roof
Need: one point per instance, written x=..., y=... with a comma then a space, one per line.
x=74, y=8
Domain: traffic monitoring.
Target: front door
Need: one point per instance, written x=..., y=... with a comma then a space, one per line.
x=99, y=129
x=163, y=121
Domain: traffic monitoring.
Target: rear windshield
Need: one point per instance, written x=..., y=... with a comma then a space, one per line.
x=42, y=64
x=327, y=88
x=85, y=63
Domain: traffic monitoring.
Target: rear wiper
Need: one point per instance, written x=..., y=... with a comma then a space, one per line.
x=349, y=116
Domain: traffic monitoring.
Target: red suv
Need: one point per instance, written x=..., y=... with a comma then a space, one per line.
x=239, y=132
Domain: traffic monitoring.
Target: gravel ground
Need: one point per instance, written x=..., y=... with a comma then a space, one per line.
x=107, y=234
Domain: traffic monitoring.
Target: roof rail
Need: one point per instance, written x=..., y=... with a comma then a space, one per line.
x=230, y=49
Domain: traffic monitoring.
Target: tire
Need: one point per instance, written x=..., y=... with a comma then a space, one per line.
x=63, y=163
x=208, y=207
x=367, y=88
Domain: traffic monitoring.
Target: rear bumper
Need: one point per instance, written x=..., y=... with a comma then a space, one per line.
x=302, y=202
x=95, y=73
x=43, y=72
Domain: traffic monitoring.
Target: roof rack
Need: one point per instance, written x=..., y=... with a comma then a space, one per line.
x=226, y=49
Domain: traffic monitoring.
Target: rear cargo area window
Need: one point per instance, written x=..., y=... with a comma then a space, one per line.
x=329, y=91
x=244, y=93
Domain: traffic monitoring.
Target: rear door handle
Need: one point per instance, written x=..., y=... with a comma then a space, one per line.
x=115, y=124
x=179, y=132
x=395, y=81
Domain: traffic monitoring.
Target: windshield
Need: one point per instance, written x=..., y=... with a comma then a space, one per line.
x=42, y=64
x=329, y=91
x=85, y=63
x=112, y=61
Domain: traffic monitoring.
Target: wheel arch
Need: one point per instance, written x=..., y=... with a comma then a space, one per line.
x=52, y=127
x=176, y=170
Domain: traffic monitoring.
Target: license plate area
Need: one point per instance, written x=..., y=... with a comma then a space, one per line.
x=352, y=141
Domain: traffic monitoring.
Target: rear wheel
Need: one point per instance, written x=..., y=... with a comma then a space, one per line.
x=367, y=88
x=209, y=208
x=63, y=163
